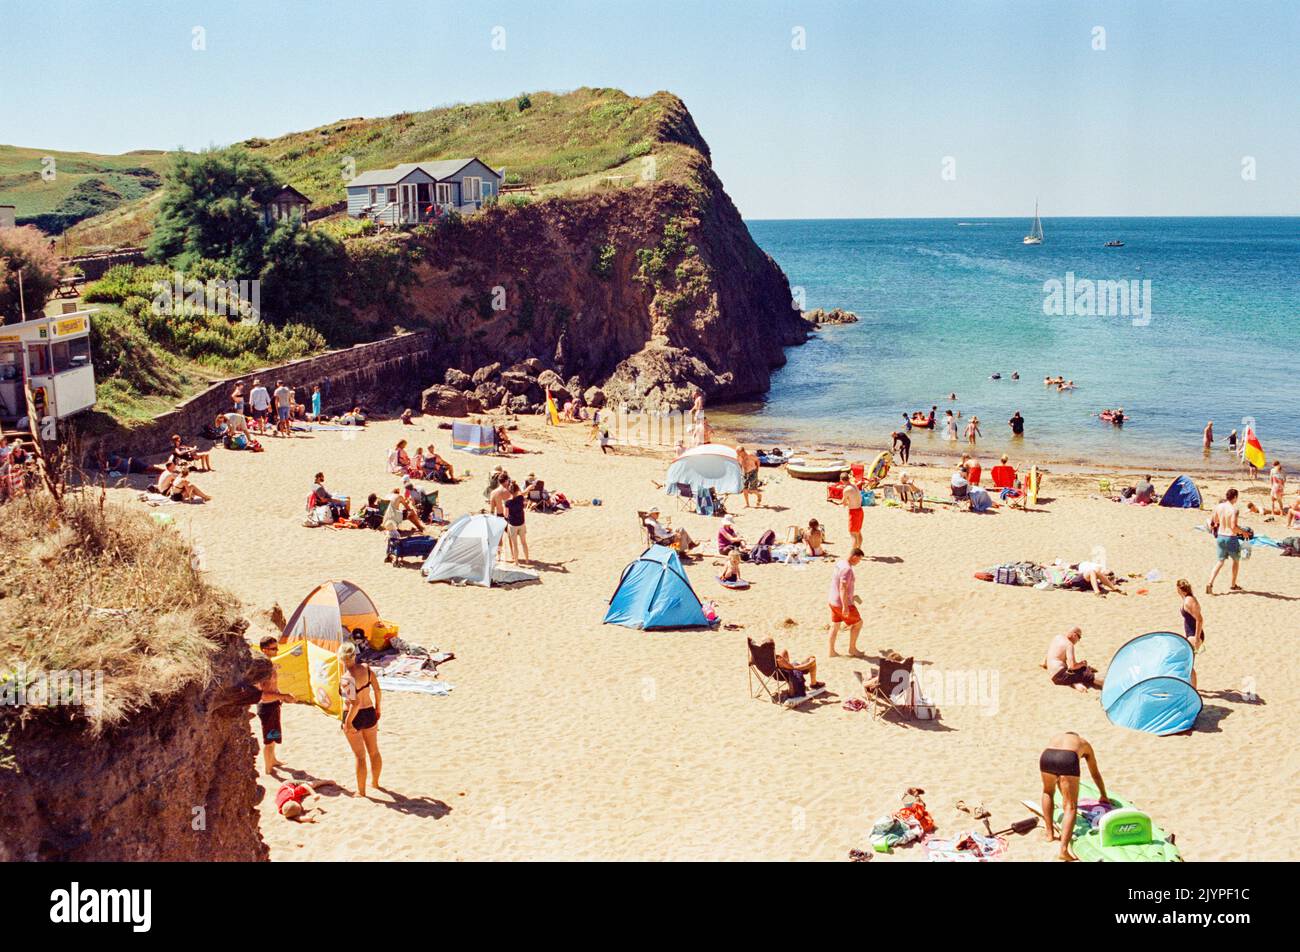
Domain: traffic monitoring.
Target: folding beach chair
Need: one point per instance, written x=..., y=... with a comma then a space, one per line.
x=685, y=496
x=770, y=677
x=892, y=690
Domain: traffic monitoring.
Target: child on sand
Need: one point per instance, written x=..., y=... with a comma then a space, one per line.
x=268, y=708
x=291, y=798
x=731, y=574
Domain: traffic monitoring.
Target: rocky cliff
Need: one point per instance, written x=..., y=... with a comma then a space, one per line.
x=125, y=688
x=648, y=288
x=176, y=782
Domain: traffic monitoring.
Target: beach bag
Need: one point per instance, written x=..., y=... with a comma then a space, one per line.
x=760, y=554
x=1290, y=545
x=319, y=516
x=1006, y=575
x=868, y=497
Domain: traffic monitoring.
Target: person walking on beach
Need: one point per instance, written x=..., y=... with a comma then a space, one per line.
x=1058, y=766
x=749, y=470
x=851, y=499
x=902, y=444
x=1193, y=620
x=283, y=408
x=1227, y=532
x=315, y=403
x=1276, y=489
x=697, y=408
x=260, y=402
x=973, y=430
x=842, y=602
x=237, y=398
x=1017, y=424
x=361, y=699
x=1207, y=438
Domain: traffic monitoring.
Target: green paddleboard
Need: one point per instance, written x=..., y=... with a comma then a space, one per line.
x=1124, y=835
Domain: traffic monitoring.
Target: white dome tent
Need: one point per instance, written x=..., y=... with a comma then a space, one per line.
x=467, y=552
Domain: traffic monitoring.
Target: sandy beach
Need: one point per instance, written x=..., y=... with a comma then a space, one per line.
x=567, y=739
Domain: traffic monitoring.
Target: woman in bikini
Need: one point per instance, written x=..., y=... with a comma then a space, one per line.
x=1059, y=767
x=361, y=699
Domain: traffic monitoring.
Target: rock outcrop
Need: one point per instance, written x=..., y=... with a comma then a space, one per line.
x=819, y=317
x=647, y=289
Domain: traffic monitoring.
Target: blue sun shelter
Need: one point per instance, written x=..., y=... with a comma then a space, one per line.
x=1148, y=685
x=654, y=592
x=1182, y=494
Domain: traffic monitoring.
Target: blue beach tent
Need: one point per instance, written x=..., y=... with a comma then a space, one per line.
x=1148, y=685
x=655, y=593
x=1182, y=494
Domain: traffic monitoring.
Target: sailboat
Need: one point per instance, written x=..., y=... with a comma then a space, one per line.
x=1035, y=236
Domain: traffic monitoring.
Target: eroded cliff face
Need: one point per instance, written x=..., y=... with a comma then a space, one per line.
x=177, y=782
x=646, y=289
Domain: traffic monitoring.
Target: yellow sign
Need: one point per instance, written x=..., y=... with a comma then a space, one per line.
x=70, y=326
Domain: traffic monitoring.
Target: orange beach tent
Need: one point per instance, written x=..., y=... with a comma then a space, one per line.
x=333, y=611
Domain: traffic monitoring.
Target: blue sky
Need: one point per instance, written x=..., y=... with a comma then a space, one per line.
x=858, y=124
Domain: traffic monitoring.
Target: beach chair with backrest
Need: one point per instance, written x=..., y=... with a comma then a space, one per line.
x=764, y=670
x=685, y=496
x=893, y=689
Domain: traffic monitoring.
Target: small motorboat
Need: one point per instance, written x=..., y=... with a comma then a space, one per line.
x=1115, y=244
x=825, y=470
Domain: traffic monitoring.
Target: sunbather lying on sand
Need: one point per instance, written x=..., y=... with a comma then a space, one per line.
x=1100, y=580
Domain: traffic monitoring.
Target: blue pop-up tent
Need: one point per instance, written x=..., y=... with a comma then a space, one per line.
x=1182, y=494
x=1148, y=685
x=655, y=593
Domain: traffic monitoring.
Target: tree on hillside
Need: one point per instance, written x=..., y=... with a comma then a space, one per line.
x=301, y=278
x=212, y=209
x=27, y=252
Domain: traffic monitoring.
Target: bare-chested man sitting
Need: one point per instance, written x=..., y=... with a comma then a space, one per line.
x=1064, y=668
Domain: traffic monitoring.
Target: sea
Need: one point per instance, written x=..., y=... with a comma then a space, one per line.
x=1192, y=320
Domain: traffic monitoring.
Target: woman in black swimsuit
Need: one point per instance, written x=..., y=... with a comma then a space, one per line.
x=361, y=699
x=516, y=531
x=1193, y=621
x=1059, y=767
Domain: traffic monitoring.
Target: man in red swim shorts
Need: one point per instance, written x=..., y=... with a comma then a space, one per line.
x=841, y=601
x=852, y=501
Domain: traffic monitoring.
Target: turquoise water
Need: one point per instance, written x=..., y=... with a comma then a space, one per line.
x=945, y=303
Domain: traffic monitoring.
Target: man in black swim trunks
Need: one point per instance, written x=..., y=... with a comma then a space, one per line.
x=1017, y=424
x=1059, y=766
